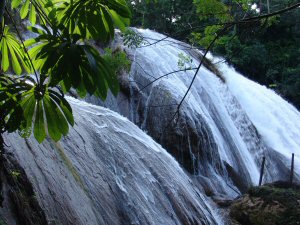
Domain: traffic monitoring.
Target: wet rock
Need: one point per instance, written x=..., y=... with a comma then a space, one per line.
x=222, y=202
x=108, y=171
x=19, y=202
x=273, y=204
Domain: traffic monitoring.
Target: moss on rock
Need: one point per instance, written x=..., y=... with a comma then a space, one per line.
x=272, y=204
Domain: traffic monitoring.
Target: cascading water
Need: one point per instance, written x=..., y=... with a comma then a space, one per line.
x=275, y=119
x=224, y=128
x=107, y=171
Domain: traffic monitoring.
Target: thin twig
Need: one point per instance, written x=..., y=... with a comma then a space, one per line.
x=165, y=75
x=194, y=77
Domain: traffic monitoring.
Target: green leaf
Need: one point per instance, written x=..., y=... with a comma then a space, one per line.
x=64, y=105
x=4, y=60
x=62, y=123
x=15, y=3
x=24, y=9
x=32, y=15
x=53, y=129
x=120, y=8
x=10, y=46
x=74, y=54
x=30, y=41
x=93, y=18
x=39, y=125
x=28, y=105
x=88, y=81
x=108, y=22
x=81, y=91
x=15, y=62
x=117, y=20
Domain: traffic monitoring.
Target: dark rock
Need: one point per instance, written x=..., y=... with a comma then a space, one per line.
x=17, y=195
x=222, y=202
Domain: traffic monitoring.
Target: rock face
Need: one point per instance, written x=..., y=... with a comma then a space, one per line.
x=272, y=204
x=106, y=171
x=221, y=131
x=19, y=204
x=121, y=176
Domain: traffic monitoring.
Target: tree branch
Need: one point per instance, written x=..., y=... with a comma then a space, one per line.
x=268, y=14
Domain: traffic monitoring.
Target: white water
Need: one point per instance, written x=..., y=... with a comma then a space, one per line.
x=233, y=111
x=108, y=171
x=277, y=121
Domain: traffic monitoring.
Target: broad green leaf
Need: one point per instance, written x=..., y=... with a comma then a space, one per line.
x=4, y=55
x=35, y=30
x=24, y=9
x=108, y=22
x=11, y=50
x=28, y=105
x=53, y=129
x=15, y=62
x=99, y=23
x=32, y=15
x=88, y=81
x=30, y=41
x=61, y=120
x=64, y=105
x=15, y=3
x=92, y=61
x=39, y=125
x=36, y=49
x=120, y=7
x=74, y=54
x=81, y=91
x=66, y=85
x=117, y=20
x=49, y=4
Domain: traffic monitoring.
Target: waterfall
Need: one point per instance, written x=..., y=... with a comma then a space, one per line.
x=108, y=170
x=277, y=121
x=225, y=126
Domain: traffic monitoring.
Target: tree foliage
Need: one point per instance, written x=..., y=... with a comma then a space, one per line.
x=60, y=57
x=266, y=49
x=165, y=16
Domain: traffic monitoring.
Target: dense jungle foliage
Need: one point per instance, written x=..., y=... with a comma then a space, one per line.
x=267, y=51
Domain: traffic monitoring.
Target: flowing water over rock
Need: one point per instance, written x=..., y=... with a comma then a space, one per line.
x=108, y=171
x=225, y=126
